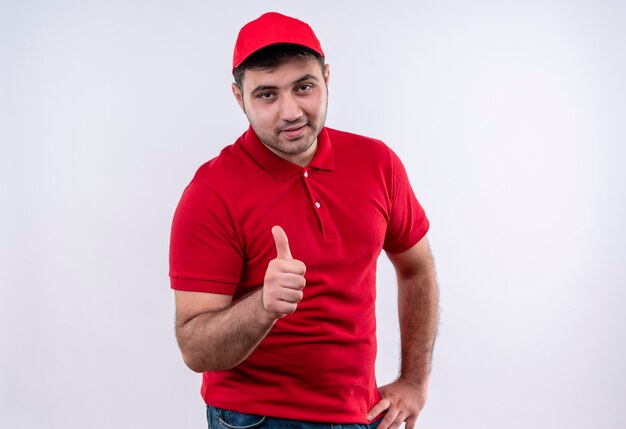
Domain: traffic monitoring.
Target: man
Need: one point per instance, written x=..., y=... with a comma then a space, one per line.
x=273, y=255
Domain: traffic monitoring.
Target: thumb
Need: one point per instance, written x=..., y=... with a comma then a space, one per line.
x=282, y=243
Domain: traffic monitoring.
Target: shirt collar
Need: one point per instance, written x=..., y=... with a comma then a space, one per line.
x=280, y=168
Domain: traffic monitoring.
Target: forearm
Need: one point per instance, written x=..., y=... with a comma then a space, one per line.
x=418, y=310
x=222, y=339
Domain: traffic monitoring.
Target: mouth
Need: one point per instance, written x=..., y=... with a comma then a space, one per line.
x=294, y=132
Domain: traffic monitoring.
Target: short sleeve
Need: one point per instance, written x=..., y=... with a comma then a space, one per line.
x=407, y=220
x=205, y=254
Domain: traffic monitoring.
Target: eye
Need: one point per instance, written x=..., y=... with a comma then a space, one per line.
x=305, y=88
x=266, y=96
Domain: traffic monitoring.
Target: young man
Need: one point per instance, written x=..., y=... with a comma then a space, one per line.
x=273, y=255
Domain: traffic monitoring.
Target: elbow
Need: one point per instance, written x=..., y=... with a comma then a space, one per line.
x=201, y=364
x=201, y=356
x=191, y=357
x=188, y=350
x=193, y=363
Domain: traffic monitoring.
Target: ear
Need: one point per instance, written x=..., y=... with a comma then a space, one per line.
x=238, y=96
x=326, y=73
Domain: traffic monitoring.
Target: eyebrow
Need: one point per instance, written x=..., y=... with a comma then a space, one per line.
x=304, y=78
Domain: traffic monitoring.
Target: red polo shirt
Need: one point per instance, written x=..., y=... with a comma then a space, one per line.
x=339, y=212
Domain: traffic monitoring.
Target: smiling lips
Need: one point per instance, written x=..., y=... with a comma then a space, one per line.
x=294, y=132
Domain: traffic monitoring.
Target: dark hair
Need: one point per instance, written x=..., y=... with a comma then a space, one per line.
x=272, y=57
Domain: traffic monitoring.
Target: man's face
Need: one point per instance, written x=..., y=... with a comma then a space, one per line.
x=286, y=107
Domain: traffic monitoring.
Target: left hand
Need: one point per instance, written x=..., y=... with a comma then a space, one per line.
x=403, y=402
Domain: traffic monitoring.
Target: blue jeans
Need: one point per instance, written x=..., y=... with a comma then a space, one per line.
x=224, y=419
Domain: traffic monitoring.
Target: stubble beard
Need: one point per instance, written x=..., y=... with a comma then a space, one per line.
x=291, y=147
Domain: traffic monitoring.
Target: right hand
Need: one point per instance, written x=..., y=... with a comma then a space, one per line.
x=284, y=279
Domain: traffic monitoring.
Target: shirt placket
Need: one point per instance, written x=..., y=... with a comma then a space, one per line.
x=318, y=205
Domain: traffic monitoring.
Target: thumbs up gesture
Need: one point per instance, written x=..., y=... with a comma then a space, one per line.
x=284, y=279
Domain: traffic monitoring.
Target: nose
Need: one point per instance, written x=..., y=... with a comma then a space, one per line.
x=290, y=110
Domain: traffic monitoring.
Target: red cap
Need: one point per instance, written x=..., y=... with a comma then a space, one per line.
x=270, y=29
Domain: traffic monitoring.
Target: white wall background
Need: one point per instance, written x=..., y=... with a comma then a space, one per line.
x=510, y=117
